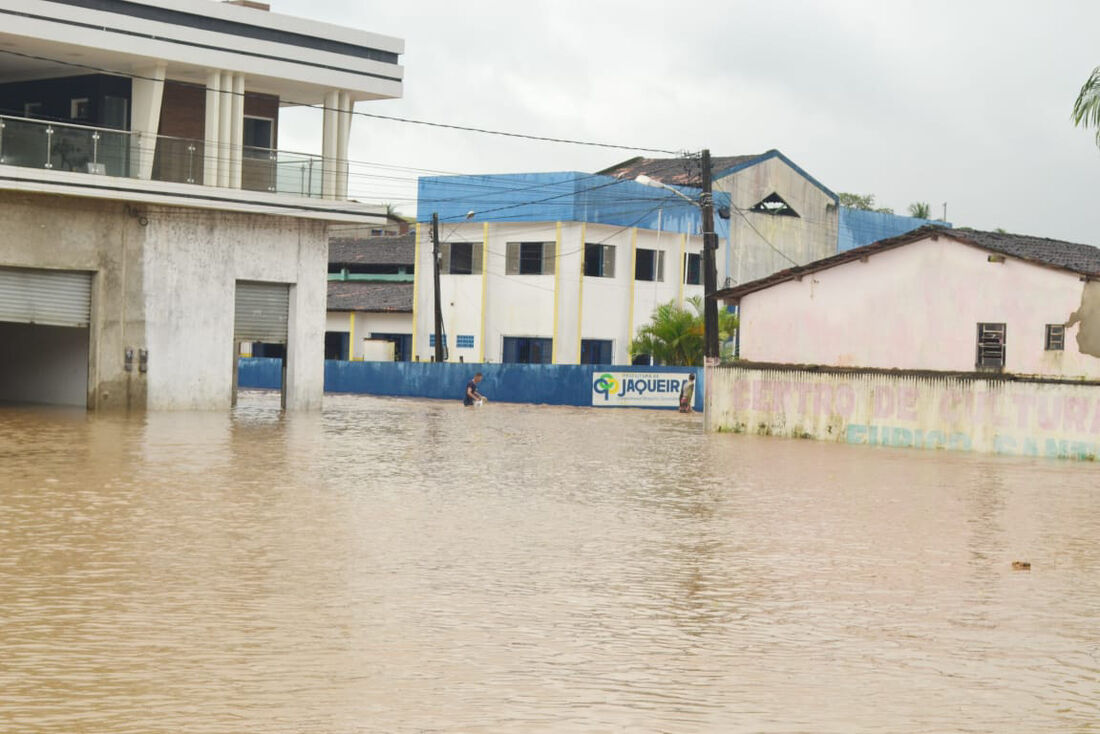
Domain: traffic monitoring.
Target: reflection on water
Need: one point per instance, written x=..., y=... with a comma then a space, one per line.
x=398, y=565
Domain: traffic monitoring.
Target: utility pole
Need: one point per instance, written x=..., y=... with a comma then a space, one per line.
x=438, y=305
x=710, y=273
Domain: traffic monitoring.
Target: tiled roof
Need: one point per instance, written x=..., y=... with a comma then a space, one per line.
x=1071, y=256
x=370, y=296
x=675, y=171
x=388, y=250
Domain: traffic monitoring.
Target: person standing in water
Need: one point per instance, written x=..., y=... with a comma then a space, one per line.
x=687, y=393
x=472, y=396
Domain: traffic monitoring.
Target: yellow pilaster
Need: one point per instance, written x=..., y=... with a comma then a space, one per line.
x=416, y=286
x=484, y=288
x=557, y=291
x=580, y=292
x=683, y=268
x=633, y=266
x=351, y=336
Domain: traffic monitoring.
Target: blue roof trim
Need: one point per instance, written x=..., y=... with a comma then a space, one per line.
x=773, y=153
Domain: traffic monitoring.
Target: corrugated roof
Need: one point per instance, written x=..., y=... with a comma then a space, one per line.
x=676, y=171
x=370, y=296
x=387, y=250
x=1070, y=256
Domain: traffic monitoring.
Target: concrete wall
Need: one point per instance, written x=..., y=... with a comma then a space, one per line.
x=910, y=410
x=564, y=306
x=917, y=307
x=69, y=233
x=192, y=263
x=165, y=281
x=761, y=244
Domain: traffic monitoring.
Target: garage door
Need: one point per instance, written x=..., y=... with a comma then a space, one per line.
x=262, y=310
x=48, y=297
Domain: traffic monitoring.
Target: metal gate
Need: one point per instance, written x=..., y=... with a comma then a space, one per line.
x=48, y=297
x=262, y=312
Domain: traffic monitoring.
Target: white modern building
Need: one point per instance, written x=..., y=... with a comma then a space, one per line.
x=552, y=268
x=153, y=224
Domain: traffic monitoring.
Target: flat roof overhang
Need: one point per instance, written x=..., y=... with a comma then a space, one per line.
x=140, y=191
x=36, y=43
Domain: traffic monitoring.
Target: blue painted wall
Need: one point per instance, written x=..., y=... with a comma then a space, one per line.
x=550, y=384
x=566, y=196
x=858, y=227
x=265, y=373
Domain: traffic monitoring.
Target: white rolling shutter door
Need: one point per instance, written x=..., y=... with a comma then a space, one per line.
x=48, y=297
x=262, y=311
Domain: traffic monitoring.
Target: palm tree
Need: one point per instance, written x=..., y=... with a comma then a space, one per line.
x=920, y=209
x=674, y=335
x=1086, y=110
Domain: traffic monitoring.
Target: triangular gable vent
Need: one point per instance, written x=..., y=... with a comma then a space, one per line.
x=774, y=204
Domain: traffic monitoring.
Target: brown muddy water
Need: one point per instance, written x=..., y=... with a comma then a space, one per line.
x=411, y=566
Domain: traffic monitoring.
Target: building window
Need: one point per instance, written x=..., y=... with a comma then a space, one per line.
x=529, y=258
x=991, y=346
x=693, y=269
x=79, y=109
x=460, y=258
x=431, y=340
x=595, y=351
x=773, y=204
x=464, y=341
x=599, y=260
x=258, y=137
x=642, y=360
x=336, y=345
x=527, y=350
x=32, y=109
x=649, y=265
x=1056, y=338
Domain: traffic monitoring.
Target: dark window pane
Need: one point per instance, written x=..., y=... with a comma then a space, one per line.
x=645, y=265
x=595, y=351
x=530, y=258
x=462, y=258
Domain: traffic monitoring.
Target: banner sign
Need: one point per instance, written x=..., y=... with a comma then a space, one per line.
x=638, y=389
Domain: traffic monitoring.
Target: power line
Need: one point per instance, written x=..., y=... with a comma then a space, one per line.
x=392, y=118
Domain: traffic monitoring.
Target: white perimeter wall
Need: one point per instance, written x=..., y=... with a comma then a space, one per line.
x=917, y=307
x=524, y=305
x=192, y=262
x=909, y=411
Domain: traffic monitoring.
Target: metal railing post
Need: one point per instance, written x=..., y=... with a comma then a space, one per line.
x=49, y=145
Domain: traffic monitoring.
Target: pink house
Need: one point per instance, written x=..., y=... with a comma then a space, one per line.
x=945, y=300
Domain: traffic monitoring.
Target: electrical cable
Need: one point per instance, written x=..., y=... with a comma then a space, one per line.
x=392, y=118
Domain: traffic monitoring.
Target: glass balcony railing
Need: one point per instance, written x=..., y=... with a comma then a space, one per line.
x=58, y=146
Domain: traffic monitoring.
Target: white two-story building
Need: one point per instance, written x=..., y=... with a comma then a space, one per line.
x=152, y=222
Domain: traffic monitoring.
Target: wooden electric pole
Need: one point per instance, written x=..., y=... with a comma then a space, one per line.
x=438, y=305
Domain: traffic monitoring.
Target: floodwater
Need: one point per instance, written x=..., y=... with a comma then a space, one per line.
x=399, y=565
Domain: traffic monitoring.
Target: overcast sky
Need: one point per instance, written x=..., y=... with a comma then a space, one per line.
x=961, y=102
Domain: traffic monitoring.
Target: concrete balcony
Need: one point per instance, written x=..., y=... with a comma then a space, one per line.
x=57, y=157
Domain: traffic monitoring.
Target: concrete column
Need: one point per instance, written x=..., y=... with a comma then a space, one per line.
x=237, y=127
x=225, y=130
x=146, y=96
x=342, y=138
x=211, y=139
x=329, y=144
